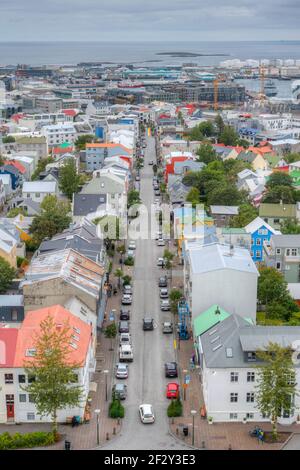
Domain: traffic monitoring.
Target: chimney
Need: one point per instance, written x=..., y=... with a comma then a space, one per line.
x=217, y=312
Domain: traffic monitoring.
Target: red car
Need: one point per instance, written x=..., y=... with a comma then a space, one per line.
x=172, y=390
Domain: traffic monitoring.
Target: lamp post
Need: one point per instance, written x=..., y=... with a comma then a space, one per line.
x=184, y=381
x=193, y=413
x=105, y=372
x=97, y=413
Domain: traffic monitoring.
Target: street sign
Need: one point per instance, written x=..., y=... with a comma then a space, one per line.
x=112, y=316
x=184, y=385
x=175, y=344
x=187, y=379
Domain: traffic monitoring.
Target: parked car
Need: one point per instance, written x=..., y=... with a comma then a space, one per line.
x=126, y=299
x=163, y=281
x=161, y=242
x=132, y=245
x=122, y=371
x=125, y=338
x=123, y=327
x=148, y=324
x=172, y=390
x=158, y=235
x=137, y=178
x=157, y=192
x=171, y=370
x=165, y=305
x=119, y=391
x=124, y=314
x=160, y=262
x=127, y=289
x=125, y=353
x=151, y=162
x=167, y=327
x=163, y=293
x=146, y=414
x=130, y=253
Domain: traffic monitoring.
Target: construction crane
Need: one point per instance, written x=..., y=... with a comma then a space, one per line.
x=216, y=94
x=184, y=315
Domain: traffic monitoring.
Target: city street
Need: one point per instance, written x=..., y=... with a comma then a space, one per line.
x=146, y=383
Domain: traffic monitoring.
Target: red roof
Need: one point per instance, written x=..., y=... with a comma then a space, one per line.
x=59, y=150
x=8, y=341
x=17, y=165
x=70, y=112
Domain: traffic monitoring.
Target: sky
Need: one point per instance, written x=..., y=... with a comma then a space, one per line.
x=149, y=20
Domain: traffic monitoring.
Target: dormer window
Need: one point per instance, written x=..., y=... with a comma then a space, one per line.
x=251, y=356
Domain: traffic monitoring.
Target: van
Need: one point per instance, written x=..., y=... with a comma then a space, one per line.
x=125, y=353
x=125, y=338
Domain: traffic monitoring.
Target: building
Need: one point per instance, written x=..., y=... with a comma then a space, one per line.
x=235, y=237
x=59, y=133
x=32, y=143
x=6, y=184
x=276, y=214
x=97, y=153
x=2, y=192
x=227, y=346
x=16, y=177
x=18, y=347
x=38, y=190
x=220, y=274
x=283, y=253
x=261, y=232
x=222, y=215
x=11, y=309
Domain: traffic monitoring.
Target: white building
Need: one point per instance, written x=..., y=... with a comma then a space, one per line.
x=227, y=347
x=17, y=346
x=59, y=133
x=220, y=274
x=38, y=190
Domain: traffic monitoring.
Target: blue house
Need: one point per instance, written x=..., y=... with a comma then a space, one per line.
x=14, y=173
x=260, y=232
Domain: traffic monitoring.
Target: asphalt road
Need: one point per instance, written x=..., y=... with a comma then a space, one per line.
x=146, y=382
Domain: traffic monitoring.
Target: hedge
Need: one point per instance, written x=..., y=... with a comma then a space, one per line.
x=116, y=409
x=175, y=408
x=33, y=439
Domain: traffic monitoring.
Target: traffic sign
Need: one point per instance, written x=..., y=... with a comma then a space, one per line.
x=175, y=344
x=185, y=385
x=187, y=379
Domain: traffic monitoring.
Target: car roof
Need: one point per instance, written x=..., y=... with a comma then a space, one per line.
x=122, y=366
x=171, y=364
x=146, y=407
x=118, y=386
x=148, y=319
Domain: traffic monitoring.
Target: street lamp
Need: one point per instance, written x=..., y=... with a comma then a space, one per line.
x=105, y=372
x=97, y=413
x=193, y=413
x=184, y=388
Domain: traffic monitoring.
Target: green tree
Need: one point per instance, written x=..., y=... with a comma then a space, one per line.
x=206, y=153
x=290, y=226
x=279, y=178
x=54, y=386
x=174, y=296
x=110, y=332
x=227, y=195
x=276, y=383
x=54, y=218
x=193, y=196
x=16, y=211
x=133, y=197
x=41, y=166
x=219, y=124
x=247, y=213
x=82, y=140
x=280, y=193
x=272, y=286
x=243, y=143
x=195, y=134
x=228, y=136
x=119, y=274
x=8, y=139
x=69, y=179
x=126, y=280
x=7, y=274
x=292, y=157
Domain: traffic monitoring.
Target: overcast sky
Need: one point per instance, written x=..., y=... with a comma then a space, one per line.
x=149, y=20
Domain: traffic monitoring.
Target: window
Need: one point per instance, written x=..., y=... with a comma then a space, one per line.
x=9, y=378
x=278, y=251
x=37, y=195
x=31, y=398
x=250, y=376
x=257, y=254
x=22, y=379
x=252, y=253
x=288, y=252
x=30, y=416
x=22, y=398
x=234, y=376
x=294, y=251
x=233, y=397
x=14, y=315
x=276, y=221
x=31, y=378
x=233, y=416
x=250, y=415
x=250, y=397
x=251, y=356
x=258, y=241
x=278, y=265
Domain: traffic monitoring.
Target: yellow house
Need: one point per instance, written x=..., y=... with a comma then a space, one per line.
x=189, y=225
x=257, y=161
x=8, y=248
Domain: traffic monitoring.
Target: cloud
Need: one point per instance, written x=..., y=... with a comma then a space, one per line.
x=151, y=20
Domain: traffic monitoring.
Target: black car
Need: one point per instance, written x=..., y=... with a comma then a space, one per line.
x=163, y=281
x=148, y=324
x=124, y=315
x=171, y=369
x=123, y=327
x=157, y=192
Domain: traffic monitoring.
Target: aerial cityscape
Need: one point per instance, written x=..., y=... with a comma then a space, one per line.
x=149, y=227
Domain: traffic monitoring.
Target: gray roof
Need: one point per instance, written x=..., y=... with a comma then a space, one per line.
x=85, y=204
x=28, y=202
x=11, y=300
x=286, y=241
x=224, y=210
x=87, y=248
x=258, y=337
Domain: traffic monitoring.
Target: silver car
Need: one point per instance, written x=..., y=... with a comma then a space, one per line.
x=127, y=299
x=122, y=371
x=163, y=293
x=165, y=305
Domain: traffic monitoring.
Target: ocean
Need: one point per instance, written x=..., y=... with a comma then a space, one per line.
x=143, y=53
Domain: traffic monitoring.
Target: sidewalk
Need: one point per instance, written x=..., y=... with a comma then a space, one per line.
x=216, y=436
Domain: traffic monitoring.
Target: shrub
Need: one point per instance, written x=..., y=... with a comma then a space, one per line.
x=21, y=262
x=126, y=280
x=129, y=261
x=175, y=408
x=116, y=409
x=33, y=439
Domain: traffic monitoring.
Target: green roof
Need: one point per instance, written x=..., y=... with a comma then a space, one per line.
x=31, y=140
x=272, y=159
x=65, y=145
x=233, y=231
x=208, y=319
x=277, y=210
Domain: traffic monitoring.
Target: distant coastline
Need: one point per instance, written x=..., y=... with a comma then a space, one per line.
x=191, y=54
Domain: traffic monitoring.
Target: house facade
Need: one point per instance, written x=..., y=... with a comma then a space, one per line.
x=260, y=232
x=283, y=253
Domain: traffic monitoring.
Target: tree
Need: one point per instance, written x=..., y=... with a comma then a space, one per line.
x=41, y=166
x=110, y=332
x=8, y=139
x=119, y=274
x=228, y=136
x=272, y=286
x=243, y=143
x=219, y=124
x=292, y=157
x=290, y=226
x=126, y=280
x=16, y=211
x=54, y=373
x=247, y=213
x=69, y=180
x=278, y=194
x=195, y=134
x=7, y=274
x=174, y=296
x=206, y=153
x=193, y=196
x=279, y=178
x=54, y=218
x=82, y=140
x=227, y=195
x=276, y=387
x=206, y=128
x=133, y=197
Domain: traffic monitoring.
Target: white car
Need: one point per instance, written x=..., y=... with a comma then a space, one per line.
x=132, y=245
x=160, y=262
x=161, y=242
x=146, y=414
x=122, y=371
x=127, y=299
